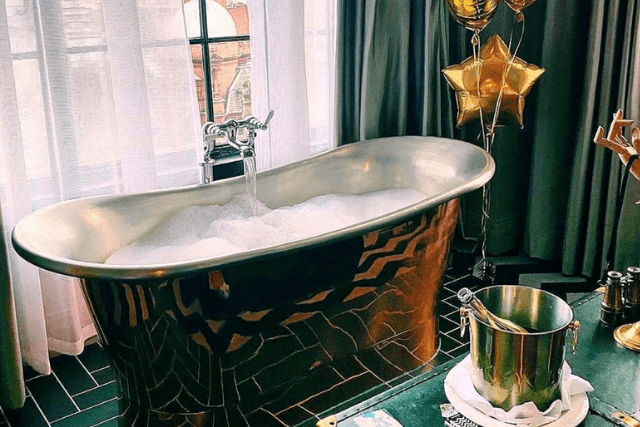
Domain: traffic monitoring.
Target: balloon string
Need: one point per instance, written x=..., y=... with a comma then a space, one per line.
x=486, y=207
x=506, y=70
x=475, y=44
x=488, y=139
x=487, y=142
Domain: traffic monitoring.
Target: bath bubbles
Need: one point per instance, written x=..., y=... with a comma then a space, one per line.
x=185, y=250
x=199, y=232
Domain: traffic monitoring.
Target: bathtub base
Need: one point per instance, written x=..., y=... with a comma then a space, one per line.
x=345, y=382
x=263, y=345
x=136, y=416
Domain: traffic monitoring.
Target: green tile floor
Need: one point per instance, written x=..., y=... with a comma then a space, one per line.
x=81, y=392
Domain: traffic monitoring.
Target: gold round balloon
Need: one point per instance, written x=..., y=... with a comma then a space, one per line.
x=474, y=14
x=518, y=5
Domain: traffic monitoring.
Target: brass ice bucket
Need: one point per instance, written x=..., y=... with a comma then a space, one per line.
x=512, y=368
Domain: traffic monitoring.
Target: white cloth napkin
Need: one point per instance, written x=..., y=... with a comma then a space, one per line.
x=526, y=414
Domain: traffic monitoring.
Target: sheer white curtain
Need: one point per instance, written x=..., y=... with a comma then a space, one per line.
x=293, y=51
x=96, y=97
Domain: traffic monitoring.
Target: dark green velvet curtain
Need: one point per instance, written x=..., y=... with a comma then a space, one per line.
x=612, y=80
x=553, y=192
x=388, y=74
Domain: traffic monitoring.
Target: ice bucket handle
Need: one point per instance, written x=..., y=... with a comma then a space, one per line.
x=574, y=327
x=464, y=320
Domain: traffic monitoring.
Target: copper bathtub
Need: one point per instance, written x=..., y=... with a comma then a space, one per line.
x=278, y=335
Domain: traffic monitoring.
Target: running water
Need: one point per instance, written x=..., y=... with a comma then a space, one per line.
x=200, y=232
x=250, y=177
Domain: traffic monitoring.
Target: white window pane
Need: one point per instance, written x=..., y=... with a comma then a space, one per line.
x=83, y=23
x=231, y=84
x=21, y=27
x=224, y=18
x=32, y=120
x=318, y=64
x=196, y=56
x=92, y=101
x=160, y=20
x=169, y=94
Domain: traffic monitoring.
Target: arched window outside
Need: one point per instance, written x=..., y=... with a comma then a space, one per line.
x=218, y=32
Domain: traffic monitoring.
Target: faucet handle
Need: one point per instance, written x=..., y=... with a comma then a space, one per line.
x=265, y=124
x=254, y=124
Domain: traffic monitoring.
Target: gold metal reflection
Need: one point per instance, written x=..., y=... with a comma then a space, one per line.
x=628, y=336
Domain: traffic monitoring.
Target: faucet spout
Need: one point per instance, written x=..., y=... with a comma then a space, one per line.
x=247, y=152
x=243, y=147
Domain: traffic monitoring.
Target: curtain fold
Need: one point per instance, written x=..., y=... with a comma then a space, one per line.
x=97, y=98
x=553, y=192
x=293, y=51
x=13, y=390
x=563, y=49
x=390, y=83
x=609, y=83
x=15, y=203
x=628, y=247
x=389, y=59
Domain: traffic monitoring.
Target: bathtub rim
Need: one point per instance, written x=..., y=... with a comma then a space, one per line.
x=156, y=272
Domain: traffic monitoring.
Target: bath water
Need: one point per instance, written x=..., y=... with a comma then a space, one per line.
x=199, y=232
x=250, y=179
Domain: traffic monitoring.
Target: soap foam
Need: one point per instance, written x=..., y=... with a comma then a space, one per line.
x=199, y=232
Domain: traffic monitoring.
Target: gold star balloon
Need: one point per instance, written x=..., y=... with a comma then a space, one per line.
x=478, y=84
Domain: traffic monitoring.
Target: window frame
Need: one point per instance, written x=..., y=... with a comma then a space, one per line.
x=204, y=41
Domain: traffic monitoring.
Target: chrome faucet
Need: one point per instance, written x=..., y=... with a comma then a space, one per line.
x=238, y=134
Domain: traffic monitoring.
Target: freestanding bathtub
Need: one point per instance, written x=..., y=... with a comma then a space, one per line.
x=274, y=336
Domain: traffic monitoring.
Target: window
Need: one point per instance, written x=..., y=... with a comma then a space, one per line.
x=86, y=109
x=218, y=32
